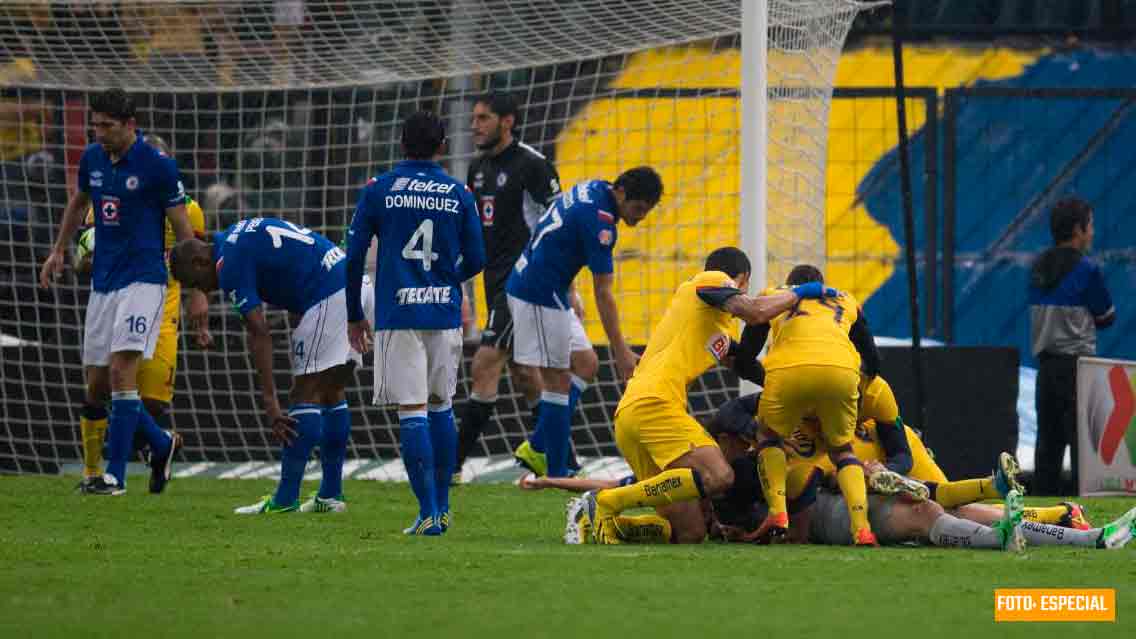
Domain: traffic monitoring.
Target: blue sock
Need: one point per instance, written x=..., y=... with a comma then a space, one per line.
x=158, y=439
x=556, y=422
x=578, y=387
x=536, y=437
x=418, y=457
x=444, y=439
x=125, y=407
x=333, y=448
x=294, y=457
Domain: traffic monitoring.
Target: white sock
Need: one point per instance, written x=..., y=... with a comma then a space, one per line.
x=949, y=530
x=1049, y=535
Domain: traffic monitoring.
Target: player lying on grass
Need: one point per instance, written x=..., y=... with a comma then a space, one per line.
x=676, y=462
x=821, y=516
x=262, y=261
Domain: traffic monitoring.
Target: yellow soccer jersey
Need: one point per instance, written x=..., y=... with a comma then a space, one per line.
x=814, y=332
x=692, y=337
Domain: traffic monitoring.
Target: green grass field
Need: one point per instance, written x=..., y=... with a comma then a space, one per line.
x=181, y=565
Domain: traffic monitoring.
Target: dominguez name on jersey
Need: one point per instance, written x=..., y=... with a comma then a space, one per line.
x=423, y=295
x=422, y=203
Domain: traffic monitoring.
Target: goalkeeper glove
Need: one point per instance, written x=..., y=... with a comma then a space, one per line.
x=814, y=290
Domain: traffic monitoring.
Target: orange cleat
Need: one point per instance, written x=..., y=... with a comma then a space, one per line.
x=865, y=537
x=774, y=530
x=1074, y=517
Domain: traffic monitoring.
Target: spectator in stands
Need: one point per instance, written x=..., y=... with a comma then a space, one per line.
x=1068, y=303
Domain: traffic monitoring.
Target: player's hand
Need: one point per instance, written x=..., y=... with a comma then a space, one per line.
x=199, y=318
x=359, y=334
x=871, y=467
x=530, y=481
x=577, y=304
x=283, y=426
x=625, y=362
x=52, y=267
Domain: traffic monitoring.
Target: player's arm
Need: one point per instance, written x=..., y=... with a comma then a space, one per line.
x=172, y=192
x=745, y=353
x=260, y=346
x=363, y=228
x=472, y=258
x=865, y=343
x=198, y=307
x=1099, y=301
x=72, y=218
x=894, y=441
x=532, y=482
x=625, y=358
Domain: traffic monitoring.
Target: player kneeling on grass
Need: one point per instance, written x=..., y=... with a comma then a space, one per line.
x=268, y=260
x=676, y=462
x=429, y=243
x=820, y=516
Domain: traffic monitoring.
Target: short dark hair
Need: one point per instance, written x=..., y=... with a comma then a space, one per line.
x=422, y=135
x=803, y=274
x=728, y=259
x=499, y=102
x=1067, y=214
x=641, y=183
x=114, y=102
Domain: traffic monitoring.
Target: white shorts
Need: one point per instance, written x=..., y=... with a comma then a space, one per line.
x=413, y=365
x=319, y=341
x=128, y=319
x=545, y=337
x=367, y=298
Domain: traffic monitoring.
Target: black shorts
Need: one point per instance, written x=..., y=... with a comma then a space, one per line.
x=498, y=331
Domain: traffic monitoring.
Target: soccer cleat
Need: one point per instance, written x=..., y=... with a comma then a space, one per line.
x=444, y=520
x=774, y=530
x=578, y=527
x=105, y=485
x=865, y=537
x=1006, y=476
x=886, y=482
x=266, y=507
x=423, y=526
x=528, y=457
x=456, y=478
x=317, y=504
x=161, y=467
x=1074, y=517
x=1118, y=533
x=1009, y=527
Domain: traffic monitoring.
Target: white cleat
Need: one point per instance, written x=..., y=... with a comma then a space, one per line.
x=318, y=504
x=886, y=482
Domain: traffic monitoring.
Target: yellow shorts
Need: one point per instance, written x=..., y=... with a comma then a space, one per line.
x=652, y=433
x=877, y=401
x=828, y=392
x=924, y=467
x=156, y=375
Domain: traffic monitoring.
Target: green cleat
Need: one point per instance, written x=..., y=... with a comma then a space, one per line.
x=1118, y=533
x=1006, y=475
x=886, y=482
x=1009, y=527
x=456, y=478
x=528, y=457
x=317, y=504
x=266, y=506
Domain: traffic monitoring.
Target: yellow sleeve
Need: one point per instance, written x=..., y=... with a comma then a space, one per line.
x=90, y=219
x=196, y=216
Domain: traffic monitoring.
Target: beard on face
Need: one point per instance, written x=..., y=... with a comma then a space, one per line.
x=492, y=140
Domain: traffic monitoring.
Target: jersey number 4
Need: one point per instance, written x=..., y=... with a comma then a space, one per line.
x=424, y=234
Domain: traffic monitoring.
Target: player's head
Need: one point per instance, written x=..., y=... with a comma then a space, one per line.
x=1071, y=223
x=733, y=262
x=803, y=274
x=158, y=142
x=112, y=118
x=191, y=263
x=423, y=136
x=494, y=116
x=636, y=192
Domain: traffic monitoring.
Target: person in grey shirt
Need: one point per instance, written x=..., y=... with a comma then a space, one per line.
x=1068, y=303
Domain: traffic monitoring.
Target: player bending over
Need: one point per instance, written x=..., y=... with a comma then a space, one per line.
x=267, y=260
x=668, y=451
x=429, y=243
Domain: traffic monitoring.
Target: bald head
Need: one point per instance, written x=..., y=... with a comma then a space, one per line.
x=191, y=263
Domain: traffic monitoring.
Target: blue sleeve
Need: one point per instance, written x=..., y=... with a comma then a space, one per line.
x=1097, y=297
x=472, y=244
x=238, y=282
x=893, y=438
x=600, y=240
x=169, y=186
x=358, y=242
x=84, y=175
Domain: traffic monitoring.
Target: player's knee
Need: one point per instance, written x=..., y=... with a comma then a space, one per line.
x=487, y=363
x=123, y=370
x=922, y=516
x=585, y=364
x=717, y=479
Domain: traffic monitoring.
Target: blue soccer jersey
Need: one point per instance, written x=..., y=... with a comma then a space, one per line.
x=577, y=230
x=429, y=243
x=265, y=259
x=129, y=198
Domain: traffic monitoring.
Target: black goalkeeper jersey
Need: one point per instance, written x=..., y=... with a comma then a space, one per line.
x=512, y=189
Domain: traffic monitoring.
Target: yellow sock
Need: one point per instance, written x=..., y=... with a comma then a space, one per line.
x=644, y=529
x=1044, y=514
x=855, y=491
x=772, y=471
x=93, y=432
x=667, y=487
x=966, y=491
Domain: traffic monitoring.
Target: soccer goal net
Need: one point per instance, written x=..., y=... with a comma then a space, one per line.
x=286, y=108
